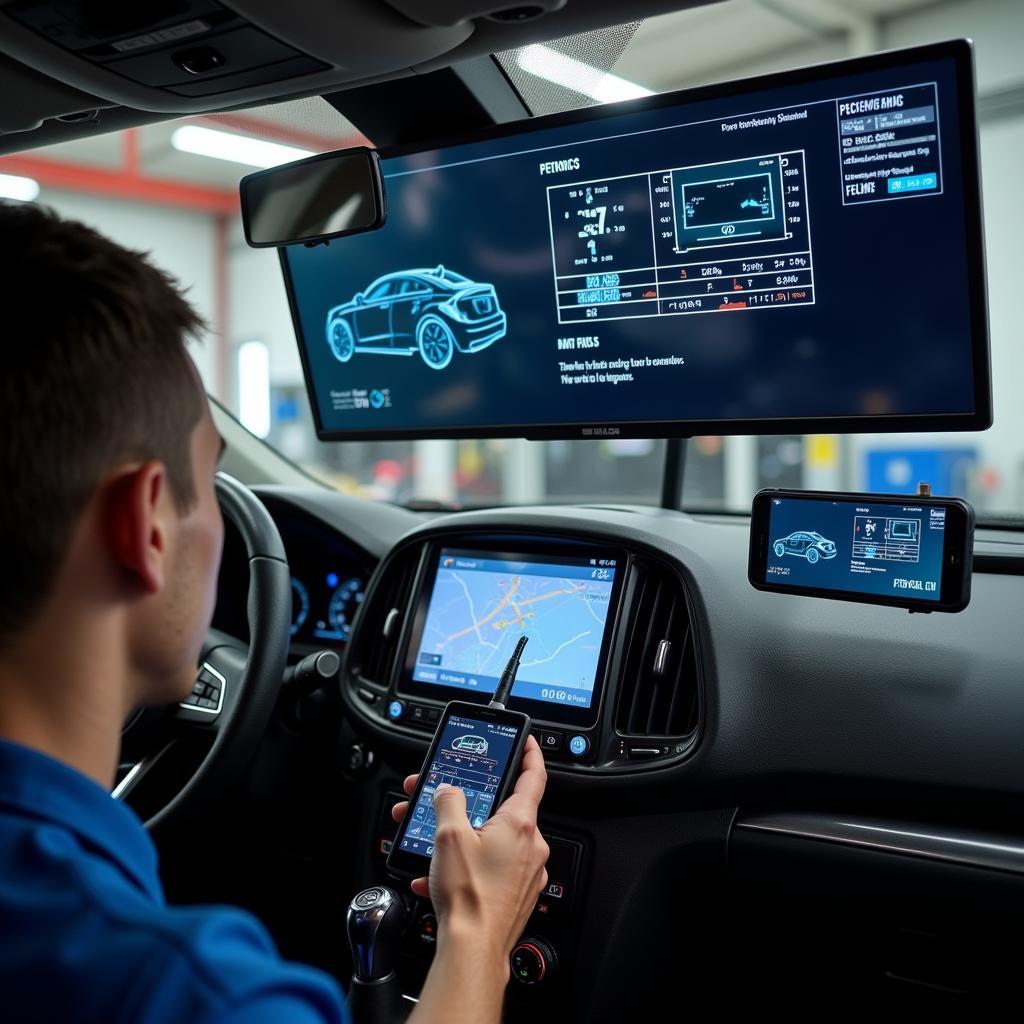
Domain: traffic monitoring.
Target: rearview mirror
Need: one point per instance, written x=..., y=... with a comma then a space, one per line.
x=314, y=200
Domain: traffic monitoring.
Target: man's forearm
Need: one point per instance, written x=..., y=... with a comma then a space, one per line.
x=466, y=984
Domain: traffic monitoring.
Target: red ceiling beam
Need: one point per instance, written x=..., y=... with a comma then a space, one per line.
x=140, y=188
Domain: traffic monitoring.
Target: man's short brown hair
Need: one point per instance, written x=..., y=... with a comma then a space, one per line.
x=95, y=373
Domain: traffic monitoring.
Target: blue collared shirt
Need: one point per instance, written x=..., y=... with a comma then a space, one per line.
x=85, y=934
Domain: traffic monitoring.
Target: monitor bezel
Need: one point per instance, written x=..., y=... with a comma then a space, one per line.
x=961, y=51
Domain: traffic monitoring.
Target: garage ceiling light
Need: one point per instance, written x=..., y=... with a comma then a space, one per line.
x=549, y=64
x=13, y=186
x=241, y=149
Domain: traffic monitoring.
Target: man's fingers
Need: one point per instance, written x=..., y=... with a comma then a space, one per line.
x=522, y=805
x=450, y=808
x=398, y=811
x=532, y=776
x=420, y=886
x=410, y=784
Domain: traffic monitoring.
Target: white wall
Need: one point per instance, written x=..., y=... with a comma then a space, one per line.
x=258, y=307
x=182, y=243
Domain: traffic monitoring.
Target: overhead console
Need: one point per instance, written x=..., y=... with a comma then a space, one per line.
x=177, y=56
x=611, y=677
x=795, y=253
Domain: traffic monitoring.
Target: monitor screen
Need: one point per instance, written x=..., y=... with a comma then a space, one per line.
x=800, y=252
x=481, y=603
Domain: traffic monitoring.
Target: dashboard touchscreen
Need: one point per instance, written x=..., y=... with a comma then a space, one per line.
x=800, y=249
x=482, y=602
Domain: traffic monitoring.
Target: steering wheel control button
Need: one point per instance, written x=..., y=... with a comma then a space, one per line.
x=550, y=742
x=579, y=745
x=368, y=898
x=532, y=960
x=395, y=710
x=207, y=692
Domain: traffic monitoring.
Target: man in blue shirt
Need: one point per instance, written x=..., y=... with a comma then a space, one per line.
x=112, y=538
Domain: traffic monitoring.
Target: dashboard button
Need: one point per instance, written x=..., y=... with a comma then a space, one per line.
x=395, y=710
x=417, y=713
x=579, y=745
x=550, y=741
x=433, y=715
x=367, y=695
x=427, y=930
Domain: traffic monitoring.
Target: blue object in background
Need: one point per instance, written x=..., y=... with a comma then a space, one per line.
x=286, y=410
x=899, y=470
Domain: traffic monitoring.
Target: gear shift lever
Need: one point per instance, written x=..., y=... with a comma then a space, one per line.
x=374, y=923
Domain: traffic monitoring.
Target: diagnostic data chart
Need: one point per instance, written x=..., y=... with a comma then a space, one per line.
x=887, y=539
x=706, y=238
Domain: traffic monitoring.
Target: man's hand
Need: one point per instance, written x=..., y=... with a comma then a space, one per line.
x=484, y=882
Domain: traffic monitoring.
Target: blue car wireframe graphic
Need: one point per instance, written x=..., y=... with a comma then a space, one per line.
x=471, y=744
x=434, y=312
x=807, y=543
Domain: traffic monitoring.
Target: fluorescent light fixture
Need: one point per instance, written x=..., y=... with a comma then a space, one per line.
x=240, y=149
x=254, y=387
x=549, y=64
x=13, y=186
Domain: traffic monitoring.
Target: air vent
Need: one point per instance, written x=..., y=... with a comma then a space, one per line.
x=375, y=645
x=660, y=673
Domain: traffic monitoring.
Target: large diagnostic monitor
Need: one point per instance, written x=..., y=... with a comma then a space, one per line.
x=797, y=252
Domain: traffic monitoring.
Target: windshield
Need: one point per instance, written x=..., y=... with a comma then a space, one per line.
x=171, y=189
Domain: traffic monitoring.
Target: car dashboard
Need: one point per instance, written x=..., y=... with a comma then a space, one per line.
x=759, y=778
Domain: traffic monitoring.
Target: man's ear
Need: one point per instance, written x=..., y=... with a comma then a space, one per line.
x=137, y=525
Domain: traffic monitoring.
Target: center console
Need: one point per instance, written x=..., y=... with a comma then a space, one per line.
x=611, y=674
x=611, y=679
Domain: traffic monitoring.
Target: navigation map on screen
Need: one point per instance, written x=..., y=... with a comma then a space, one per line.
x=792, y=252
x=480, y=606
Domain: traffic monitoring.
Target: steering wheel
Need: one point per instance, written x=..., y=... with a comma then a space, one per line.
x=236, y=689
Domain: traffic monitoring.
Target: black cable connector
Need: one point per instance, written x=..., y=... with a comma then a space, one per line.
x=508, y=677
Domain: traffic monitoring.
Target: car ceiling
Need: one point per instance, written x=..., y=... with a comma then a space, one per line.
x=55, y=55
x=50, y=94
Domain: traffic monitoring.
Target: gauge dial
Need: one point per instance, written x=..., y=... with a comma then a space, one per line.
x=344, y=602
x=300, y=605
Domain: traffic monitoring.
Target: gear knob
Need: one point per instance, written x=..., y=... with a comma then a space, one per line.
x=374, y=923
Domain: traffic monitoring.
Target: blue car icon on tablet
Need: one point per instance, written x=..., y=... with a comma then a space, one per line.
x=434, y=312
x=807, y=543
